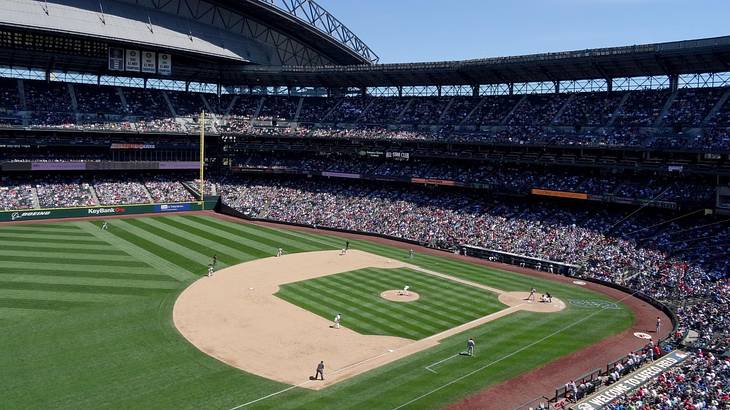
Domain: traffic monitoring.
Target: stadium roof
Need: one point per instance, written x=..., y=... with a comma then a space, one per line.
x=680, y=57
x=271, y=32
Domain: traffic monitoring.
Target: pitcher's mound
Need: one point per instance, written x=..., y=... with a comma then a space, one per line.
x=519, y=298
x=398, y=296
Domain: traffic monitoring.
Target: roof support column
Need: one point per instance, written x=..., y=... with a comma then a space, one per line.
x=364, y=91
x=511, y=87
x=556, y=84
x=475, y=90
x=609, y=85
x=400, y=91
x=673, y=82
x=438, y=90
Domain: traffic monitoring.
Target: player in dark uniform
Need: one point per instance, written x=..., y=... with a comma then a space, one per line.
x=320, y=370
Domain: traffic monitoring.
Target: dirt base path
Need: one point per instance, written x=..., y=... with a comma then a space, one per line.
x=235, y=317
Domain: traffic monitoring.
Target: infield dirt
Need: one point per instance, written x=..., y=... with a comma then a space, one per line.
x=235, y=317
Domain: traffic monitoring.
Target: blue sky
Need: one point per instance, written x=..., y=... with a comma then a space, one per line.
x=429, y=30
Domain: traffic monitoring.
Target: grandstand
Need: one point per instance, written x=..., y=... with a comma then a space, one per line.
x=614, y=161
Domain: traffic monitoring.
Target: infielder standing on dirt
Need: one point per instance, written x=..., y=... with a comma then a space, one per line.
x=279, y=252
x=470, y=345
x=658, y=324
x=320, y=370
x=210, y=270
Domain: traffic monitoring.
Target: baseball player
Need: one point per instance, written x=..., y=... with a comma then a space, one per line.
x=470, y=345
x=343, y=251
x=658, y=324
x=347, y=246
x=320, y=370
x=210, y=270
x=105, y=226
x=410, y=253
x=404, y=292
x=531, y=296
x=279, y=252
x=215, y=259
x=338, y=317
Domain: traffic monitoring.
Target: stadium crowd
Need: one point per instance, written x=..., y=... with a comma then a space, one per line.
x=649, y=118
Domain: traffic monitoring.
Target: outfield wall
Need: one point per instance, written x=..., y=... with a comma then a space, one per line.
x=105, y=211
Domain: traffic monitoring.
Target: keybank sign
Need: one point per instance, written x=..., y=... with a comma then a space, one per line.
x=33, y=214
x=106, y=211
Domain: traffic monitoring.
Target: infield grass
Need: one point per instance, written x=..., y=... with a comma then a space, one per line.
x=86, y=320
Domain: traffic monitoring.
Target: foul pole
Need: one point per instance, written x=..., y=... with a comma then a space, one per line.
x=201, y=187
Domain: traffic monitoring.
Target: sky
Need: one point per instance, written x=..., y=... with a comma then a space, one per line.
x=436, y=30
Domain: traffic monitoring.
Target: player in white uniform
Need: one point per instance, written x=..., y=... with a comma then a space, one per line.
x=338, y=317
x=279, y=252
x=531, y=297
x=105, y=226
x=210, y=270
x=404, y=292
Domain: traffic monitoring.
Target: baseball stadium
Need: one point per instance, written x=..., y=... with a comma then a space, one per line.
x=207, y=204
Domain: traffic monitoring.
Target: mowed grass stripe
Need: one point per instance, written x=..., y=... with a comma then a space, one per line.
x=177, y=244
x=154, y=255
x=100, y=248
x=412, y=309
x=112, y=290
x=259, y=235
x=352, y=317
x=47, y=239
x=365, y=293
x=182, y=262
x=85, y=281
x=436, y=297
x=51, y=226
x=42, y=304
x=449, y=292
x=60, y=295
x=84, y=267
x=57, y=253
x=16, y=230
x=71, y=260
x=237, y=251
x=433, y=302
x=243, y=241
x=228, y=230
x=345, y=301
x=303, y=300
x=94, y=274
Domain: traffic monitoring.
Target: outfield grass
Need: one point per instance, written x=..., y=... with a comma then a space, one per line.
x=86, y=321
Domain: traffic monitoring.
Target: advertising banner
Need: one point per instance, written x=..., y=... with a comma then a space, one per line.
x=149, y=62
x=131, y=60
x=58, y=166
x=559, y=194
x=341, y=175
x=632, y=382
x=100, y=211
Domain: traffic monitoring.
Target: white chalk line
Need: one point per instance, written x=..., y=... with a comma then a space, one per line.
x=506, y=357
x=309, y=381
x=429, y=367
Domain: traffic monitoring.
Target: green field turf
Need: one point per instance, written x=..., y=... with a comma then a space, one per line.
x=86, y=321
x=443, y=304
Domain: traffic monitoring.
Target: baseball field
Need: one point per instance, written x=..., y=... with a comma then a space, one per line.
x=126, y=318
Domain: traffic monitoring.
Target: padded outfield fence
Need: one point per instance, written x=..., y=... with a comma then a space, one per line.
x=20, y=215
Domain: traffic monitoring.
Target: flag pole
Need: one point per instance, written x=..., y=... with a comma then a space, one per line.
x=201, y=188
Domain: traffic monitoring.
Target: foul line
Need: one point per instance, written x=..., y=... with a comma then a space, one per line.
x=439, y=362
x=507, y=356
x=308, y=381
